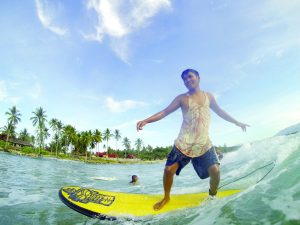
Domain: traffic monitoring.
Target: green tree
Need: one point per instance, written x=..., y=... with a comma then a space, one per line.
x=126, y=144
x=24, y=135
x=38, y=121
x=85, y=140
x=107, y=136
x=8, y=129
x=45, y=134
x=97, y=138
x=117, y=136
x=138, y=144
x=32, y=139
x=57, y=128
x=53, y=125
x=12, y=120
x=60, y=129
x=69, y=134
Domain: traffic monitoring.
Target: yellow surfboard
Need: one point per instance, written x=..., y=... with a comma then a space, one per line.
x=112, y=205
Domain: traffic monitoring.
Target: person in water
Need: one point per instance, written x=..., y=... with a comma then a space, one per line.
x=134, y=179
x=219, y=154
x=193, y=142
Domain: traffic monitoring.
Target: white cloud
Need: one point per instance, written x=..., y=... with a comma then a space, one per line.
x=121, y=48
x=110, y=22
x=122, y=106
x=46, y=13
x=118, y=19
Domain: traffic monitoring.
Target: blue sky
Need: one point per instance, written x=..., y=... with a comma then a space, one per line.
x=109, y=63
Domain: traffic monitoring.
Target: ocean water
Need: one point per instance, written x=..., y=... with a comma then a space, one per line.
x=29, y=187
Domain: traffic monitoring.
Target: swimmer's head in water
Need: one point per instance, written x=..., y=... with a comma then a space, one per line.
x=134, y=179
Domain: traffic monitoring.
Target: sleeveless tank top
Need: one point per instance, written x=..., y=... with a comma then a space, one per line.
x=193, y=139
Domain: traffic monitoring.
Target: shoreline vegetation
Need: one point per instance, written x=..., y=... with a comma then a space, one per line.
x=35, y=153
x=93, y=160
x=67, y=143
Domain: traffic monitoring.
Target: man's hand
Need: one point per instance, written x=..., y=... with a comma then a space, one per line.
x=140, y=124
x=242, y=125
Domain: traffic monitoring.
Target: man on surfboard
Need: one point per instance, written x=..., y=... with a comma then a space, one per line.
x=193, y=142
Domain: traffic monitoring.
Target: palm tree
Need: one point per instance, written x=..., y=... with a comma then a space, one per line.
x=12, y=121
x=53, y=125
x=24, y=135
x=85, y=141
x=138, y=144
x=126, y=144
x=32, y=139
x=117, y=136
x=107, y=136
x=39, y=120
x=75, y=141
x=45, y=134
x=8, y=129
x=57, y=127
x=69, y=133
x=97, y=137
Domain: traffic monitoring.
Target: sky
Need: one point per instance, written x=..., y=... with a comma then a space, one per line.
x=98, y=64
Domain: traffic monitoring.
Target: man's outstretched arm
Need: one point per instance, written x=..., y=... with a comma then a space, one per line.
x=175, y=104
x=220, y=112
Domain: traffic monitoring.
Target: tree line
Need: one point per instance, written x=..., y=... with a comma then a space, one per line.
x=65, y=138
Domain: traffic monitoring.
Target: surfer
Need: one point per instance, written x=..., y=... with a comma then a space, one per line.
x=193, y=142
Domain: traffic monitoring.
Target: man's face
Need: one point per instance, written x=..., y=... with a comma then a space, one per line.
x=191, y=80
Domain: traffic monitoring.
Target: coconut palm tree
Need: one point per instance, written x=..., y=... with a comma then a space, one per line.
x=32, y=139
x=8, y=129
x=138, y=144
x=75, y=141
x=38, y=121
x=69, y=133
x=126, y=144
x=24, y=135
x=57, y=128
x=53, y=125
x=117, y=136
x=85, y=140
x=45, y=135
x=97, y=137
x=12, y=120
x=107, y=136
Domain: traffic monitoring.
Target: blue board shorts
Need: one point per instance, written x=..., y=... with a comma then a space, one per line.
x=200, y=163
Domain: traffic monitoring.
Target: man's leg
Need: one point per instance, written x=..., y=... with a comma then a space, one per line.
x=214, y=174
x=168, y=181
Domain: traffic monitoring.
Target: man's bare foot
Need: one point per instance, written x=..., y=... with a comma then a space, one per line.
x=161, y=204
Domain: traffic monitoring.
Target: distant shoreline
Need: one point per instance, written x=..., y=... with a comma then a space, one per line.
x=94, y=160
